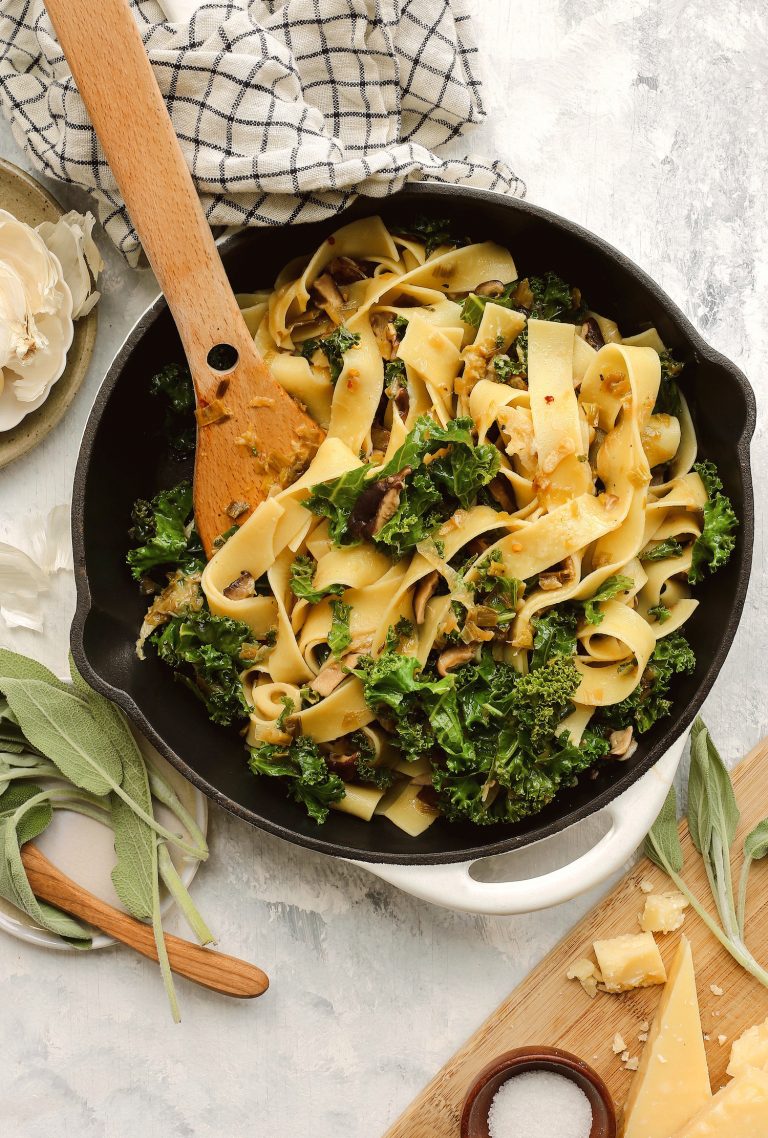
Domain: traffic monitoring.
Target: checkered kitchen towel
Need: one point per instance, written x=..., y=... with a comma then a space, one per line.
x=285, y=109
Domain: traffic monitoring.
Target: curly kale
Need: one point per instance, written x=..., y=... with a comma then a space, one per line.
x=610, y=588
x=207, y=653
x=668, y=399
x=433, y=231
x=339, y=635
x=333, y=347
x=663, y=549
x=649, y=701
x=715, y=544
x=174, y=384
x=493, y=589
x=302, y=574
x=163, y=529
x=429, y=492
x=301, y=762
x=488, y=731
x=554, y=634
x=365, y=765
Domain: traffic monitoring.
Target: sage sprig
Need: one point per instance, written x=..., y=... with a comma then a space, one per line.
x=64, y=746
x=713, y=817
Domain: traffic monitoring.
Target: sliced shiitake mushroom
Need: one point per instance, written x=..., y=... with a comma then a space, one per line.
x=345, y=270
x=452, y=658
x=590, y=331
x=557, y=578
x=622, y=743
x=424, y=591
x=489, y=288
x=377, y=504
x=328, y=297
x=241, y=588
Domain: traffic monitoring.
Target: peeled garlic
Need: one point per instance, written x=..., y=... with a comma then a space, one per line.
x=71, y=240
x=36, y=319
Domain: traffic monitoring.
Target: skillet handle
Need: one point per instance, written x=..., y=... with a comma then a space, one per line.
x=631, y=816
x=102, y=44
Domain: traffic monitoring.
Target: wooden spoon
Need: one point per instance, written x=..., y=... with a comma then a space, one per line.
x=214, y=970
x=251, y=433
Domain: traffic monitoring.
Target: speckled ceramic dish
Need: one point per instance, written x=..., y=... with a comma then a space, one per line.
x=84, y=850
x=22, y=196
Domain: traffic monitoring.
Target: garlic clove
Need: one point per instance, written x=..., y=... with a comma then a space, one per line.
x=70, y=240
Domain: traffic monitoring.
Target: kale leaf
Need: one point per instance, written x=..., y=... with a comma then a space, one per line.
x=163, y=529
x=302, y=573
x=494, y=590
x=668, y=548
x=333, y=346
x=554, y=634
x=715, y=544
x=206, y=652
x=609, y=589
x=430, y=494
x=339, y=636
x=668, y=399
x=302, y=763
x=473, y=307
x=433, y=231
x=488, y=731
x=660, y=612
x=367, y=770
x=174, y=383
x=648, y=702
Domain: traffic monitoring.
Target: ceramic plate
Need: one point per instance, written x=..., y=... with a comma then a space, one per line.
x=84, y=850
x=22, y=196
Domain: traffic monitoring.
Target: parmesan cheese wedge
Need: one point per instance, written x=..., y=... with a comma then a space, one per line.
x=750, y=1049
x=672, y=1082
x=739, y=1110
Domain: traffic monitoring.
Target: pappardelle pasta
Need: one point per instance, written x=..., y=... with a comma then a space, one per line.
x=474, y=591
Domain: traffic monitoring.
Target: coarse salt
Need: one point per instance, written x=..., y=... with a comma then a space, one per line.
x=539, y=1104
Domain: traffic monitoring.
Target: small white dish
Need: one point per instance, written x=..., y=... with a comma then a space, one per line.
x=84, y=850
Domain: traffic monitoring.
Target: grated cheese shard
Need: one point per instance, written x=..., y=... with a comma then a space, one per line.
x=587, y=973
x=629, y=961
x=672, y=1082
x=750, y=1049
x=663, y=912
x=738, y=1110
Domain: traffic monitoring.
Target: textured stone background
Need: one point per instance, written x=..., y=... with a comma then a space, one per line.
x=646, y=123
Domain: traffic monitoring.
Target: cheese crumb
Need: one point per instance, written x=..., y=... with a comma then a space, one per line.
x=587, y=973
x=706, y=1038
x=645, y=1025
x=632, y=1064
x=646, y=886
x=663, y=913
x=625, y=1056
x=618, y=1044
x=716, y=990
x=662, y=1059
x=721, y=1039
x=643, y=1036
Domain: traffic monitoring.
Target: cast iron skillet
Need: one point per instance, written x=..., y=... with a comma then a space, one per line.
x=123, y=457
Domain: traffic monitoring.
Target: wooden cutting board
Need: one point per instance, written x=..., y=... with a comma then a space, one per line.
x=548, y=1009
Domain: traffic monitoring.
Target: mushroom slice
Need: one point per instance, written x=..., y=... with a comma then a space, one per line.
x=557, y=578
x=622, y=743
x=377, y=504
x=452, y=658
x=329, y=677
x=328, y=297
x=490, y=288
x=590, y=331
x=345, y=270
x=424, y=591
x=383, y=328
x=241, y=588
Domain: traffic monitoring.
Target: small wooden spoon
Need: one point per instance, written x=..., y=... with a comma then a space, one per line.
x=251, y=433
x=214, y=970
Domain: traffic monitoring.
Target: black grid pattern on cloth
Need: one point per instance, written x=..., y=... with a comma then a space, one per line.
x=285, y=109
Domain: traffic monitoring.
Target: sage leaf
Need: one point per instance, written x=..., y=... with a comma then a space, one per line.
x=755, y=848
x=18, y=667
x=662, y=846
x=24, y=813
x=712, y=804
x=59, y=724
x=180, y=894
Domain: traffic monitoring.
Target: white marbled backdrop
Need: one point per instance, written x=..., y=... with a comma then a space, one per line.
x=646, y=123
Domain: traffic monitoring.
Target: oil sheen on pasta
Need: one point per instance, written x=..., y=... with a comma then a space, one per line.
x=475, y=590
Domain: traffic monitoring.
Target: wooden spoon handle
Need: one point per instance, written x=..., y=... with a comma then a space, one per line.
x=214, y=970
x=102, y=44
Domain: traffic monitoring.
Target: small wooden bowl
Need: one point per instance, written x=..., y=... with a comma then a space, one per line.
x=474, y=1117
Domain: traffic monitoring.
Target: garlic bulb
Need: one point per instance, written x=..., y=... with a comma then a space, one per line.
x=36, y=319
x=71, y=240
